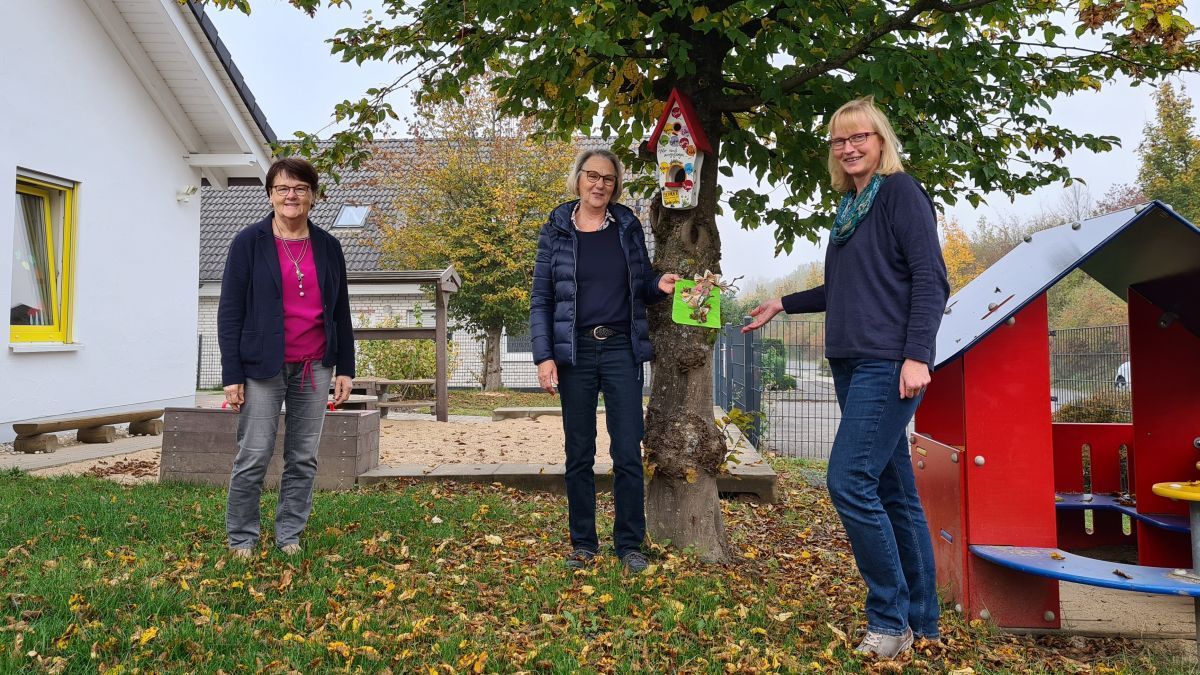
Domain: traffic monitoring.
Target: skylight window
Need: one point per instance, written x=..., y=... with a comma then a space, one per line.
x=351, y=216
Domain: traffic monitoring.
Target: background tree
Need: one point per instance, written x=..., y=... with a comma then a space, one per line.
x=1170, y=154
x=473, y=193
x=956, y=250
x=968, y=83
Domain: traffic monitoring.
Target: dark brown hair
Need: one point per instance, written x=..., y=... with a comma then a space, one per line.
x=295, y=167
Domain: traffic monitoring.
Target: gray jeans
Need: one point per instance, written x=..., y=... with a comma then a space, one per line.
x=257, y=427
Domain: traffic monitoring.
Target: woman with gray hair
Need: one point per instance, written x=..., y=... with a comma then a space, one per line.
x=592, y=281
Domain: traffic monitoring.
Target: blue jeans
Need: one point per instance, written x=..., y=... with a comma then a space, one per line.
x=873, y=489
x=257, y=426
x=604, y=366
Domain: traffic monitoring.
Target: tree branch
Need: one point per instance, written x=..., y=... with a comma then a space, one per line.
x=897, y=22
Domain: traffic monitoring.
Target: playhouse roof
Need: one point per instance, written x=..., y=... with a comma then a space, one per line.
x=1150, y=248
x=689, y=116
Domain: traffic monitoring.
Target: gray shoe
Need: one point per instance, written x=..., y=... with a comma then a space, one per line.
x=635, y=562
x=580, y=558
x=885, y=646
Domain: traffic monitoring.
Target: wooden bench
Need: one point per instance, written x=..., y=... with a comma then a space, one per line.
x=39, y=436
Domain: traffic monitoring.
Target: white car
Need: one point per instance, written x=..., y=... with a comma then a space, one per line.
x=1124, y=377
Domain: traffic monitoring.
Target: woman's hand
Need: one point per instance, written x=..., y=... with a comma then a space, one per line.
x=914, y=377
x=548, y=375
x=235, y=396
x=763, y=313
x=666, y=283
x=342, y=384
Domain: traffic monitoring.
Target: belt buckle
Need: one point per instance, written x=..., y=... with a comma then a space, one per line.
x=602, y=333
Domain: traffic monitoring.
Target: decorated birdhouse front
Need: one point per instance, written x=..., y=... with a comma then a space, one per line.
x=680, y=145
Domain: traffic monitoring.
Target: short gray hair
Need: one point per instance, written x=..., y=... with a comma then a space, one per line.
x=577, y=168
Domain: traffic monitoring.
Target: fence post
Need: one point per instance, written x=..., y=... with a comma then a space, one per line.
x=199, y=357
x=753, y=395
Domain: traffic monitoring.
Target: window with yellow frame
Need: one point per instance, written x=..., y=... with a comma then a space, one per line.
x=43, y=261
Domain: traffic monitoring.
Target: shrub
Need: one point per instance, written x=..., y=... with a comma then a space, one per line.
x=401, y=359
x=1102, y=406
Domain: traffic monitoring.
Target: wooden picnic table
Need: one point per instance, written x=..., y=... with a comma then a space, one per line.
x=386, y=400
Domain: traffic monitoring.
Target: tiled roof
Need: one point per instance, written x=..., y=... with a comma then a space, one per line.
x=223, y=213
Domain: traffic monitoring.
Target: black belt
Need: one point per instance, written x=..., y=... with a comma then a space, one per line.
x=601, y=332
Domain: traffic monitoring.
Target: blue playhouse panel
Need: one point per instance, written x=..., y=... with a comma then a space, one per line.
x=1152, y=246
x=1089, y=571
x=1165, y=521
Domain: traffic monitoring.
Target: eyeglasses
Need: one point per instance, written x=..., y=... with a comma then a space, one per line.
x=283, y=190
x=593, y=176
x=855, y=140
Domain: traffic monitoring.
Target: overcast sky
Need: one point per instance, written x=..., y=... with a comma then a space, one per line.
x=284, y=58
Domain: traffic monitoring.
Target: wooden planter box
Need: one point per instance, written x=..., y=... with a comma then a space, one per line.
x=199, y=445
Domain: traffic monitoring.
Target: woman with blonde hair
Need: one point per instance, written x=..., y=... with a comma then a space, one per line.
x=884, y=293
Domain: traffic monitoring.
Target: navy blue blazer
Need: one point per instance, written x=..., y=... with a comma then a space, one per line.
x=250, y=314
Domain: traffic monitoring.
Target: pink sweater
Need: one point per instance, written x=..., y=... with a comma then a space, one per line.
x=303, y=320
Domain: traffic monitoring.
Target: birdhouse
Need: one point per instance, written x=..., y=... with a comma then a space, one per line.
x=680, y=145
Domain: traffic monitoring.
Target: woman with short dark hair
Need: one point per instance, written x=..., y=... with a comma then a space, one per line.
x=283, y=325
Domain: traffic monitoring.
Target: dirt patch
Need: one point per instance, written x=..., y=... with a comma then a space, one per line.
x=518, y=441
x=130, y=469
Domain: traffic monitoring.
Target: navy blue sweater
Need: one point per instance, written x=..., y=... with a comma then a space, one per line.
x=601, y=281
x=886, y=288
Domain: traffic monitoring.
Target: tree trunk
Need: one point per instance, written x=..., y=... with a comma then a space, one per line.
x=491, y=379
x=684, y=448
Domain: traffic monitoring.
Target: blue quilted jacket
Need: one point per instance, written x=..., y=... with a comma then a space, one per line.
x=552, y=302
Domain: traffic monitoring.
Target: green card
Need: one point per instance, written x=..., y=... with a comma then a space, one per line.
x=682, y=314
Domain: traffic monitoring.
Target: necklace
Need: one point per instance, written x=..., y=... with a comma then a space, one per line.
x=296, y=260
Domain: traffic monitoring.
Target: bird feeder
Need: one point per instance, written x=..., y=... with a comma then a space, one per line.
x=679, y=144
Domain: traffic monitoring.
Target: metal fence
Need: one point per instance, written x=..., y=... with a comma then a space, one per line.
x=778, y=376
x=1090, y=379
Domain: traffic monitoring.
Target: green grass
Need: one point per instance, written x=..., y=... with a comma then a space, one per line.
x=417, y=577
x=475, y=402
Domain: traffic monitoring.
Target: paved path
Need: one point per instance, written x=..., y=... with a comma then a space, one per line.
x=78, y=453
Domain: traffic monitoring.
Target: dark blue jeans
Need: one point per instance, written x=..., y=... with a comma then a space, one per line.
x=604, y=366
x=872, y=486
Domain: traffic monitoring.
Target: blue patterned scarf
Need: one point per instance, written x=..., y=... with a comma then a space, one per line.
x=852, y=209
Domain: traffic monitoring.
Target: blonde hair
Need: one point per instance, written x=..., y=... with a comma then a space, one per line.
x=858, y=110
x=577, y=168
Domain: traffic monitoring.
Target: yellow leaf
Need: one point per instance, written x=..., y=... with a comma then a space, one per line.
x=782, y=616
x=479, y=662
x=605, y=598
x=184, y=585
x=699, y=13
x=492, y=539
x=588, y=590
x=147, y=635
x=690, y=475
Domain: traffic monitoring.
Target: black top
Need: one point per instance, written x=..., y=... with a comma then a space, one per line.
x=886, y=288
x=602, y=278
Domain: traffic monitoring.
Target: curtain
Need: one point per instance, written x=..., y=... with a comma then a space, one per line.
x=32, y=296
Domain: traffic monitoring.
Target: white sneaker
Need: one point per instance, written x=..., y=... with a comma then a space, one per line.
x=885, y=646
x=293, y=549
x=245, y=553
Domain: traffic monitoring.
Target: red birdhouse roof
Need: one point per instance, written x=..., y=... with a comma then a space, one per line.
x=689, y=118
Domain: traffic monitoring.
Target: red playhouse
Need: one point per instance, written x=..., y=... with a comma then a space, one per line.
x=1005, y=488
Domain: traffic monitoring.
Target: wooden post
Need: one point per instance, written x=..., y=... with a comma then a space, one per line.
x=442, y=408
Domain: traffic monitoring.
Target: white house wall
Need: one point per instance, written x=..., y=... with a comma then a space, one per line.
x=75, y=110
